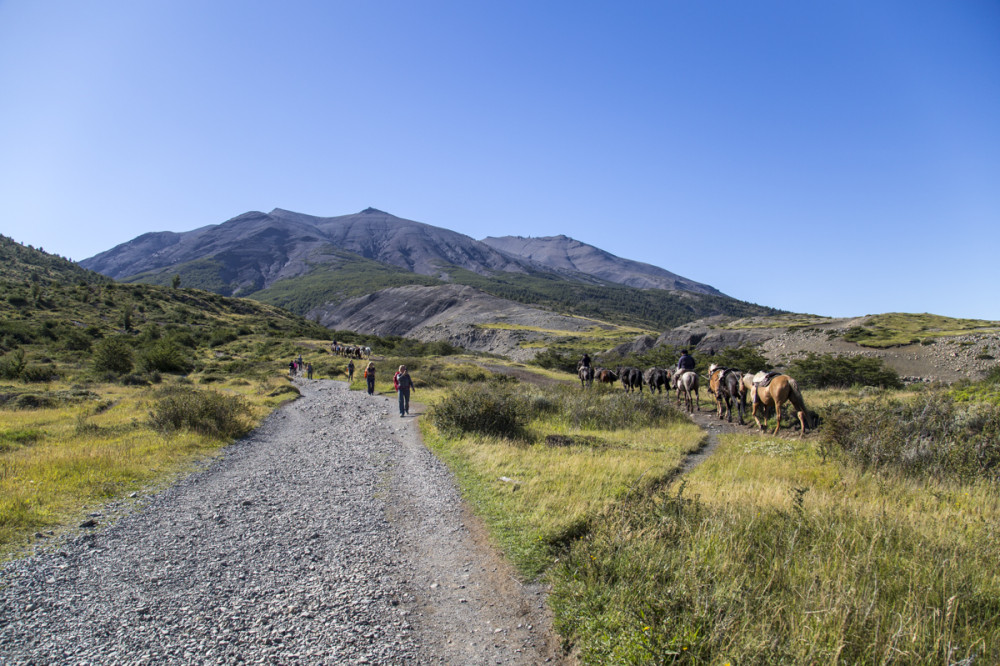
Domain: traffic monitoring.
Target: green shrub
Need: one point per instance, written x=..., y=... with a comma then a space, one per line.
x=12, y=364
x=39, y=373
x=164, y=356
x=557, y=360
x=833, y=371
x=930, y=434
x=221, y=336
x=203, y=411
x=113, y=354
x=490, y=408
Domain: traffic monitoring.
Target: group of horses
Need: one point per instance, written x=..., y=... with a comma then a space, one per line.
x=351, y=351
x=766, y=391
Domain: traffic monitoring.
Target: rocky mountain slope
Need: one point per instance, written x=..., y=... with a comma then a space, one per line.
x=956, y=349
x=563, y=253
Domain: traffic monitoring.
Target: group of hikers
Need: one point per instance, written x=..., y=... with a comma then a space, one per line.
x=401, y=381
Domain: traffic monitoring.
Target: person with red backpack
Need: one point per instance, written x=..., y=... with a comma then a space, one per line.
x=403, y=384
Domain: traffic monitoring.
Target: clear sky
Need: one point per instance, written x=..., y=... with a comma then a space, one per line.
x=839, y=158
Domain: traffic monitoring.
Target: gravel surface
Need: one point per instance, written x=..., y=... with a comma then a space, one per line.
x=330, y=535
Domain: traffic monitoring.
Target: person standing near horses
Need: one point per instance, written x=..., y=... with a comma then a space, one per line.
x=370, y=378
x=403, y=384
x=686, y=362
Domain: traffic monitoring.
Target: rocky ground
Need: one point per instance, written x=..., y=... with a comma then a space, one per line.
x=329, y=535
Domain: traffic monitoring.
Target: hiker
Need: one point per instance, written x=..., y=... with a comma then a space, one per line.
x=350, y=371
x=291, y=368
x=370, y=378
x=309, y=370
x=403, y=384
x=686, y=361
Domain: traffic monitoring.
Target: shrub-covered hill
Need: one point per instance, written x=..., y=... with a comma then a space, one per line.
x=53, y=312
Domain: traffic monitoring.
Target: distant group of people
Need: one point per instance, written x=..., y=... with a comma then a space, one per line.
x=297, y=367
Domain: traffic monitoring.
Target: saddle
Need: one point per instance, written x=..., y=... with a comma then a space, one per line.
x=764, y=378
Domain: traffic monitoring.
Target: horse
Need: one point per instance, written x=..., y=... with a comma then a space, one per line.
x=686, y=381
x=605, y=376
x=724, y=384
x=366, y=352
x=631, y=378
x=586, y=374
x=656, y=379
x=782, y=389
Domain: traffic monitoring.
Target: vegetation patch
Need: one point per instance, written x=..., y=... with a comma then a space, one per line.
x=210, y=413
x=836, y=371
x=896, y=329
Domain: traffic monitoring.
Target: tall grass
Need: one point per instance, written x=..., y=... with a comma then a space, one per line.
x=768, y=555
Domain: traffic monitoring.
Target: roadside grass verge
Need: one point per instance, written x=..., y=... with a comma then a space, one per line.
x=56, y=460
x=767, y=554
x=540, y=491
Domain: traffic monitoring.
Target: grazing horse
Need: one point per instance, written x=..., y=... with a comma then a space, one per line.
x=686, y=381
x=782, y=389
x=724, y=384
x=631, y=378
x=586, y=374
x=605, y=376
x=657, y=380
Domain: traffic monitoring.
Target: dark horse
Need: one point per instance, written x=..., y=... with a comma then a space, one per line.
x=657, y=380
x=726, y=385
x=631, y=378
x=605, y=376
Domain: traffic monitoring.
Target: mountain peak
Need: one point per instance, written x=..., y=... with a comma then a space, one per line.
x=372, y=211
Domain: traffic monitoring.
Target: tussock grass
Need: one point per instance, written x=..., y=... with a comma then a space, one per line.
x=766, y=554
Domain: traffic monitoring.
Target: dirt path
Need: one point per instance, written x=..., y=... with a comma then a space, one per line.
x=329, y=535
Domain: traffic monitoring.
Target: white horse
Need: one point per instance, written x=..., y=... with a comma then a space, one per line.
x=687, y=381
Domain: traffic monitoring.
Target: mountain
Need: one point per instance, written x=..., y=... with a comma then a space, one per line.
x=348, y=271
x=562, y=253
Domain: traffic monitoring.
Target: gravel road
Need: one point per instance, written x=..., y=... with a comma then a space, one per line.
x=330, y=535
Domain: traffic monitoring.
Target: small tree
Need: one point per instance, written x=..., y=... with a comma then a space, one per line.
x=175, y=281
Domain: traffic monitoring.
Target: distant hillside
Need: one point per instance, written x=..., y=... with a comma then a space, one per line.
x=52, y=302
x=562, y=253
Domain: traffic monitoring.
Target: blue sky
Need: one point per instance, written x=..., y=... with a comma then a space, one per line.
x=853, y=148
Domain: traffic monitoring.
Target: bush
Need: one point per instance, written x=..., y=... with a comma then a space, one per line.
x=12, y=364
x=556, y=360
x=206, y=412
x=491, y=408
x=39, y=373
x=114, y=355
x=931, y=434
x=832, y=371
x=164, y=356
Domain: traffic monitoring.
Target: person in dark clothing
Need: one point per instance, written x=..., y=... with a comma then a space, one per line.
x=350, y=371
x=403, y=385
x=686, y=361
x=585, y=361
x=370, y=378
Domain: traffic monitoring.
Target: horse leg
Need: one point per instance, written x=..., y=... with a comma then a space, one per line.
x=777, y=413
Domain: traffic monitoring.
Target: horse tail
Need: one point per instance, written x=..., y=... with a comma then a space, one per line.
x=795, y=396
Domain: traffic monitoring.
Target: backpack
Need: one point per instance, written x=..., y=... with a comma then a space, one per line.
x=395, y=381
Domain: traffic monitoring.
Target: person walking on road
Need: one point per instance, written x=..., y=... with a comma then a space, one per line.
x=370, y=378
x=350, y=371
x=403, y=384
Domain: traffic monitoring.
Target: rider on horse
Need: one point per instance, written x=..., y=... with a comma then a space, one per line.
x=686, y=362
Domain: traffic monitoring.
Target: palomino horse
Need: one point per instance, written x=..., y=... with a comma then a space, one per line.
x=781, y=390
x=586, y=374
x=686, y=381
x=724, y=384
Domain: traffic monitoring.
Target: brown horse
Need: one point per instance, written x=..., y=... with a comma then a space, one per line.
x=725, y=385
x=782, y=389
x=686, y=381
x=605, y=376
